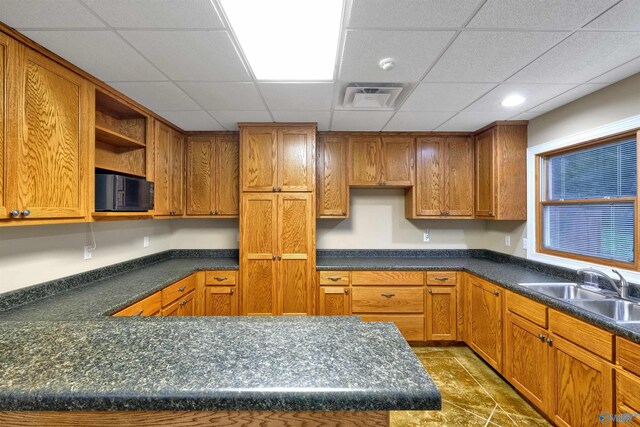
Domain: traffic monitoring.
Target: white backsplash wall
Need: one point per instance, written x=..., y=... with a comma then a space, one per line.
x=205, y=233
x=377, y=222
x=35, y=254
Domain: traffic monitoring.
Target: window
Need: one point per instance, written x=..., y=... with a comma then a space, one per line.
x=587, y=202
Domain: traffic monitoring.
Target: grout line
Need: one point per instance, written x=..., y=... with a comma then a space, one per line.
x=491, y=415
x=463, y=409
x=478, y=382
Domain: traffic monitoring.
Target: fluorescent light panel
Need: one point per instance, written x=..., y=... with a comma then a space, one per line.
x=287, y=39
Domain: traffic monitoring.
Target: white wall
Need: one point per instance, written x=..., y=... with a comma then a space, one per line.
x=204, y=234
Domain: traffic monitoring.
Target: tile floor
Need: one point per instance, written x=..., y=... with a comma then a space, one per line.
x=472, y=394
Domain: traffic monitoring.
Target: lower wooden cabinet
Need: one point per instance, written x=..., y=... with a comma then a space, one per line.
x=627, y=397
x=484, y=310
x=220, y=301
x=411, y=326
x=184, y=306
x=441, y=313
x=334, y=301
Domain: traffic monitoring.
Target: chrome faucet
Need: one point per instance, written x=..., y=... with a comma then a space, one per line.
x=622, y=290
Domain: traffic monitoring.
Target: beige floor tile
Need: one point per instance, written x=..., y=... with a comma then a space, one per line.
x=449, y=416
x=444, y=351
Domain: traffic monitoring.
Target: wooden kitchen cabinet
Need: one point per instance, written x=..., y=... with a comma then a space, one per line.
x=278, y=158
x=441, y=313
x=47, y=137
x=500, y=171
x=381, y=161
x=169, y=171
x=277, y=257
x=484, y=311
x=220, y=301
x=333, y=188
x=444, y=178
x=184, y=306
x=4, y=59
x=334, y=301
x=627, y=396
x=212, y=165
x=149, y=306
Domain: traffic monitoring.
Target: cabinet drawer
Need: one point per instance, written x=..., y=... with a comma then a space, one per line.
x=442, y=278
x=225, y=277
x=334, y=277
x=411, y=327
x=628, y=395
x=150, y=306
x=629, y=355
x=589, y=337
x=387, y=278
x=529, y=309
x=178, y=289
x=387, y=300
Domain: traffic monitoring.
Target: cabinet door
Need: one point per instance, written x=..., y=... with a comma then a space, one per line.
x=398, y=161
x=200, y=176
x=581, y=385
x=442, y=319
x=333, y=191
x=258, y=151
x=186, y=305
x=334, y=301
x=177, y=173
x=258, y=230
x=364, y=160
x=296, y=249
x=48, y=159
x=485, y=325
x=220, y=301
x=484, y=168
x=628, y=396
x=4, y=55
x=163, y=169
x=172, y=309
x=227, y=170
x=296, y=159
x=526, y=359
x=458, y=200
x=430, y=182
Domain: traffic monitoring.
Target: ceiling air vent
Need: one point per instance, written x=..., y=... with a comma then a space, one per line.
x=363, y=96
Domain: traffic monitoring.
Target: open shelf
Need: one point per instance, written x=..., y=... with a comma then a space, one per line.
x=114, y=216
x=111, y=167
x=112, y=137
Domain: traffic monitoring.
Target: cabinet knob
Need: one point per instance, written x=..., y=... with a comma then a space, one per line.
x=183, y=302
x=430, y=291
x=216, y=213
x=549, y=341
x=496, y=293
x=181, y=289
x=279, y=257
x=220, y=278
x=541, y=337
x=388, y=295
x=346, y=291
x=446, y=212
x=274, y=188
x=279, y=188
x=26, y=212
x=231, y=291
x=490, y=213
x=344, y=212
x=212, y=213
x=273, y=257
x=15, y=213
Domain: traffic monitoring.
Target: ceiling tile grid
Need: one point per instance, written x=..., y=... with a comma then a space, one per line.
x=456, y=59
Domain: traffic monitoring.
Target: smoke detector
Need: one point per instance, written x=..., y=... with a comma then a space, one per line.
x=372, y=96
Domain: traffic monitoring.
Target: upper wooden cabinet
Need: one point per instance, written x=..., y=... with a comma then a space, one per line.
x=500, y=169
x=278, y=157
x=212, y=175
x=4, y=52
x=333, y=190
x=381, y=161
x=444, y=184
x=169, y=171
x=47, y=150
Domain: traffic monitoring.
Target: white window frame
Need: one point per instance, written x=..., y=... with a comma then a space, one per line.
x=603, y=131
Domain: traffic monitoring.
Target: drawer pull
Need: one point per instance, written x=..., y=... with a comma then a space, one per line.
x=346, y=291
x=388, y=295
x=441, y=279
x=334, y=279
x=138, y=314
x=549, y=341
x=231, y=291
x=541, y=337
x=220, y=278
x=182, y=288
x=496, y=293
x=430, y=291
x=183, y=302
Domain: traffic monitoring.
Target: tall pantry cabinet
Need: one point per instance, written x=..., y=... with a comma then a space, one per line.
x=277, y=218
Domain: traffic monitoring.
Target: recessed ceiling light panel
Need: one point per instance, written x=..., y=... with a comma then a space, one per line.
x=287, y=39
x=512, y=101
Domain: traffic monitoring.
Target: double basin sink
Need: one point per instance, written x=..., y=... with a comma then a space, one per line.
x=599, y=302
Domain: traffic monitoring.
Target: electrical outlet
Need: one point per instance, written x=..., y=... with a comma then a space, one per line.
x=426, y=236
x=145, y=242
x=88, y=252
x=507, y=241
x=524, y=243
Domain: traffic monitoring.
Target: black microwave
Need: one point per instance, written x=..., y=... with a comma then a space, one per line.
x=119, y=193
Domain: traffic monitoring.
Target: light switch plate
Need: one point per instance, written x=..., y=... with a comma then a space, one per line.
x=507, y=241
x=426, y=236
x=145, y=242
x=88, y=252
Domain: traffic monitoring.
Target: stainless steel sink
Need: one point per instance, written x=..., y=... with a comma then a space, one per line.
x=566, y=291
x=618, y=310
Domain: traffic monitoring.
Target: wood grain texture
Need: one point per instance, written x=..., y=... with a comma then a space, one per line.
x=227, y=157
x=163, y=170
x=529, y=309
x=511, y=178
x=596, y=340
x=194, y=418
x=48, y=155
x=411, y=326
x=177, y=173
x=200, y=176
x=387, y=299
x=410, y=278
x=258, y=148
x=132, y=162
x=628, y=355
x=430, y=176
x=149, y=306
x=485, y=150
x=334, y=301
x=526, y=359
x=334, y=277
x=459, y=177
x=445, y=278
x=581, y=385
x=4, y=52
x=221, y=277
x=187, y=304
x=333, y=189
x=296, y=159
x=178, y=289
x=398, y=161
x=220, y=301
x=627, y=395
x=365, y=167
x=485, y=320
x=441, y=313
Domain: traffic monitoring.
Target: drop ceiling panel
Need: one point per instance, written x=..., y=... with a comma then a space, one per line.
x=534, y=94
x=413, y=52
x=224, y=95
x=527, y=115
x=411, y=13
x=190, y=55
x=297, y=96
x=567, y=97
x=230, y=119
x=490, y=56
x=623, y=16
x=191, y=120
x=321, y=117
x=581, y=57
x=24, y=14
x=445, y=96
x=360, y=120
x=157, y=96
x=622, y=72
x=538, y=15
x=468, y=121
x=193, y=14
x=102, y=53
x=418, y=121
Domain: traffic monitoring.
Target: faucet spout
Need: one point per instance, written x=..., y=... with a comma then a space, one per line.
x=602, y=275
x=623, y=290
